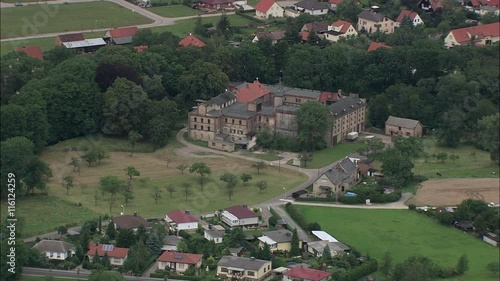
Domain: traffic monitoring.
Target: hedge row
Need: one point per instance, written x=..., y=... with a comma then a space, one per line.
x=358, y=272
x=296, y=216
x=316, y=199
x=241, y=14
x=379, y=198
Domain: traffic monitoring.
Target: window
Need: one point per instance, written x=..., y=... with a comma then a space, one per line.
x=225, y=120
x=180, y=265
x=201, y=120
x=223, y=269
x=251, y=273
x=209, y=121
x=232, y=121
x=240, y=122
x=195, y=119
x=195, y=126
x=267, y=119
x=213, y=143
x=202, y=128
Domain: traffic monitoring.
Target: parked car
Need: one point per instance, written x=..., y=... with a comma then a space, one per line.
x=18, y=4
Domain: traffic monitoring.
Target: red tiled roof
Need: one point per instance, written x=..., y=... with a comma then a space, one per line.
x=345, y=25
x=301, y=272
x=190, y=40
x=180, y=257
x=374, y=46
x=31, y=51
x=251, y=91
x=141, y=48
x=180, y=216
x=241, y=212
x=304, y=35
x=123, y=32
x=407, y=13
x=115, y=253
x=327, y=96
x=475, y=3
x=464, y=35
x=335, y=1
x=491, y=3
x=264, y=5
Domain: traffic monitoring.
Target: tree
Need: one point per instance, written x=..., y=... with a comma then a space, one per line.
x=67, y=183
x=259, y=166
x=245, y=177
x=295, y=249
x=378, y=111
x=453, y=157
x=397, y=168
x=386, y=264
x=313, y=226
x=99, y=275
x=469, y=209
x=488, y=136
x=154, y=243
x=133, y=138
x=327, y=254
x=349, y=10
x=462, y=265
x=111, y=231
x=90, y=156
x=131, y=171
x=182, y=167
x=162, y=115
x=375, y=145
x=75, y=163
x=313, y=120
x=489, y=18
x=106, y=263
x=261, y=185
x=273, y=220
x=107, y=73
x=182, y=246
x=170, y=189
x=202, y=170
x=305, y=157
x=187, y=189
x=451, y=129
x=128, y=195
x=411, y=147
x=442, y=156
x=156, y=194
x=224, y=25
x=494, y=267
x=102, y=154
x=125, y=238
x=264, y=253
x=17, y=155
x=111, y=185
x=231, y=181
x=203, y=80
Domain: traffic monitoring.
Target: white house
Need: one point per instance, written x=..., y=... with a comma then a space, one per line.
x=181, y=220
x=413, y=16
x=491, y=238
x=269, y=8
x=340, y=29
x=239, y=216
x=55, y=250
x=311, y=7
x=481, y=35
x=178, y=262
x=117, y=256
x=214, y=235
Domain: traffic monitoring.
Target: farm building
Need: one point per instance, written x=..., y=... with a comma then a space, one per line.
x=403, y=127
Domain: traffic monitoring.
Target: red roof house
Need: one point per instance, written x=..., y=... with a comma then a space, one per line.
x=413, y=16
x=335, y=2
x=241, y=212
x=485, y=34
x=191, y=40
x=122, y=35
x=178, y=262
x=71, y=37
x=304, y=273
x=239, y=216
x=31, y=51
x=117, y=255
x=251, y=91
x=181, y=220
x=269, y=8
x=304, y=35
x=327, y=97
x=374, y=46
x=264, y=5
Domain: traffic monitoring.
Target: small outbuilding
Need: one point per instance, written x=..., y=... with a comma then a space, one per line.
x=403, y=127
x=491, y=238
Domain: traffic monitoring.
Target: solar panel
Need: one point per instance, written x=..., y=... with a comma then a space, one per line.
x=107, y=247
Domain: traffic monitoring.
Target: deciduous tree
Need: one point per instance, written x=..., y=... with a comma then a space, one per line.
x=186, y=190
x=131, y=171
x=202, y=170
x=397, y=168
x=259, y=166
x=156, y=194
x=182, y=167
x=313, y=120
x=133, y=138
x=68, y=182
x=245, y=177
x=261, y=185
x=171, y=189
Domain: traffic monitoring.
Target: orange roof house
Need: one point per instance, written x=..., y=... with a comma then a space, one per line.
x=269, y=8
x=413, y=16
x=374, y=46
x=122, y=35
x=481, y=35
x=191, y=40
x=248, y=92
x=31, y=51
x=141, y=48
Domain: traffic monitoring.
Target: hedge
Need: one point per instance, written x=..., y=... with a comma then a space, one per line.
x=316, y=199
x=379, y=198
x=296, y=216
x=241, y=14
x=358, y=272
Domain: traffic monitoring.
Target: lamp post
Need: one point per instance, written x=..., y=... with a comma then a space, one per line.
x=123, y=210
x=284, y=198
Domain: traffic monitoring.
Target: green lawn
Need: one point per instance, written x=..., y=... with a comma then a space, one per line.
x=404, y=233
x=329, y=155
x=40, y=278
x=174, y=11
x=42, y=214
x=193, y=141
x=253, y=3
x=110, y=143
x=66, y=17
x=184, y=27
x=261, y=155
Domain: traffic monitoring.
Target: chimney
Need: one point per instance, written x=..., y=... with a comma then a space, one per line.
x=187, y=212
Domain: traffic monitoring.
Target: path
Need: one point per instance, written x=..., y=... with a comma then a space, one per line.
x=157, y=20
x=398, y=205
x=82, y=275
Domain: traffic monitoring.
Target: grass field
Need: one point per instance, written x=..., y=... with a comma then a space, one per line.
x=43, y=214
x=404, y=233
x=184, y=27
x=39, y=19
x=40, y=278
x=329, y=155
x=261, y=155
x=110, y=143
x=174, y=11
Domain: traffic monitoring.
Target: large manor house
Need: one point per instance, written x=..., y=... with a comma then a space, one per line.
x=235, y=116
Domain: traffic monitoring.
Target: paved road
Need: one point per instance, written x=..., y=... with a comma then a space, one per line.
x=83, y=275
x=156, y=19
x=398, y=205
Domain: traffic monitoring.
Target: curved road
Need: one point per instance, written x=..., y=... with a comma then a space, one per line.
x=157, y=20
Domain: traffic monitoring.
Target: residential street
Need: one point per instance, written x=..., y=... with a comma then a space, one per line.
x=83, y=275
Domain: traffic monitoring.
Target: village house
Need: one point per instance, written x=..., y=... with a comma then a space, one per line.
x=170, y=243
x=334, y=3
x=120, y=36
x=337, y=180
x=310, y=7
x=317, y=248
x=348, y=115
x=240, y=268
x=55, y=250
x=269, y=8
x=86, y=45
x=371, y=22
x=214, y=235
x=178, y=262
x=275, y=36
x=491, y=238
x=70, y=37
x=481, y=35
x=216, y=5
x=483, y=7
x=130, y=222
x=301, y=273
x=340, y=29
x=411, y=15
x=431, y=6
x=239, y=216
x=181, y=220
x=375, y=46
x=278, y=240
x=31, y=51
x=117, y=256
x=191, y=41
x=403, y=127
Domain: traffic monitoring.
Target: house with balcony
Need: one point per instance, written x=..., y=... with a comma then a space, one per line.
x=240, y=268
x=340, y=29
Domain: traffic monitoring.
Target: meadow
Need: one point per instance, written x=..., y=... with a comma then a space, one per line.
x=40, y=19
x=404, y=233
x=174, y=11
x=184, y=27
x=327, y=156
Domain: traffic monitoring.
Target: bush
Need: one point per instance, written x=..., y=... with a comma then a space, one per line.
x=273, y=221
x=184, y=234
x=296, y=215
x=245, y=15
x=350, y=200
x=316, y=199
x=358, y=272
x=412, y=207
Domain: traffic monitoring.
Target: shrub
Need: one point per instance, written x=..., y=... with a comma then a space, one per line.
x=360, y=271
x=412, y=207
x=184, y=234
x=273, y=221
x=419, y=178
x=316, y=199
x=296, y=215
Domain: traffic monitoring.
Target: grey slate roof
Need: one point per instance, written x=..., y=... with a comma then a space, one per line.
x=238, y=110
x=240, y=262
x=371, y=16
x=214, y=233
x=346, y=105
x=336, y=176
x=401, y=122
x=172, y=240
x=347, y=165
x=319, y=246
x=280, y=236
x=222, y=98
x=54, y=246
x=130, y=221
x=311, y=5
x=295, y=92
x=122, y=40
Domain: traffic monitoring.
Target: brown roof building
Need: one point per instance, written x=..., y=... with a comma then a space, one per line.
x=130, y=222
x=70, y=37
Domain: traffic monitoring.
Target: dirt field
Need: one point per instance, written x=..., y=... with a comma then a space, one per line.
x=451, y=192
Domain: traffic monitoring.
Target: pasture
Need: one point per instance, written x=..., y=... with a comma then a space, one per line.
x=174, y=11
x=41, y=19
x=404, y=233
x=184, y=27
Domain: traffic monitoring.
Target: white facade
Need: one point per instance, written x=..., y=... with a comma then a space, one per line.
x=216, y=239
x=179, y=267
x=416, y=21
x=232, y=220
x=57, y=255
x=187, y=226
x=275, y=11
x=313, y=12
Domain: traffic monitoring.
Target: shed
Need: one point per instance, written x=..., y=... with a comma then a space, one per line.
x=403, y=127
